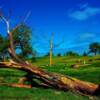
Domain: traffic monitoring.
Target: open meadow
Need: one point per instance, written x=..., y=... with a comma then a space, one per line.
x=88, y=72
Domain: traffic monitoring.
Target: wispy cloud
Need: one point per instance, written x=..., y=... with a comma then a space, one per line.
x=78, y=45
x=82, y=40
x=86, y=36
x=84, y=12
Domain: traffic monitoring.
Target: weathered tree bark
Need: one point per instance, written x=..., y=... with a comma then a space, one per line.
x=51, y=49
x=16, y=85
x=55, y=80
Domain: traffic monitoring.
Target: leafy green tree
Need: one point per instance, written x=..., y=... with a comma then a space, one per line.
x=3, y=48
x=71, y=53
x=47, y=55
x=22, y=41
x=85, y=54
x=94, y=48
x=59, y=54
x=99, y=49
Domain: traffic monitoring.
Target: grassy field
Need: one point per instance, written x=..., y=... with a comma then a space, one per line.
x=61, y=65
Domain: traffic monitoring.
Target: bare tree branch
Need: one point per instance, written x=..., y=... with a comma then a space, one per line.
x=27, y=16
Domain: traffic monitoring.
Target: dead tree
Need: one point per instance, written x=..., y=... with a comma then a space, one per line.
x=51, y=49
x=52, y=46
x=48, y=79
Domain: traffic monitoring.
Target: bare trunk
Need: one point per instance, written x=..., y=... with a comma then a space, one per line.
x=55, y=80
x=11, y=49
x=51, y=49
x=51, y=53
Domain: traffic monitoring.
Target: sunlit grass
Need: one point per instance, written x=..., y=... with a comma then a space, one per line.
x=89, y=73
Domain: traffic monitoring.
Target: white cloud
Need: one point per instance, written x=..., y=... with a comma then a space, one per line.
x=83, y=39
x=78, y=45
x=84, y=12
x=86, y=36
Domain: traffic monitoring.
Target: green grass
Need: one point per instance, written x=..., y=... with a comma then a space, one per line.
x=89, y=73
x=37, y=94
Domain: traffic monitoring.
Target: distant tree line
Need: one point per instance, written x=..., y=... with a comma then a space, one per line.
x=94, y=48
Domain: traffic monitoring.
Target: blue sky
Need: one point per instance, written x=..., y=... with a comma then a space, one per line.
x=76, y=22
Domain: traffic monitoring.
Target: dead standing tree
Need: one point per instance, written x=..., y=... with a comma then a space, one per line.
x=51, y=49
x=48, y=79
x=51, y=46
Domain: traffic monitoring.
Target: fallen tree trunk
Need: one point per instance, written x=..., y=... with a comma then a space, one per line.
x=55, y=80
x=16, y=85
